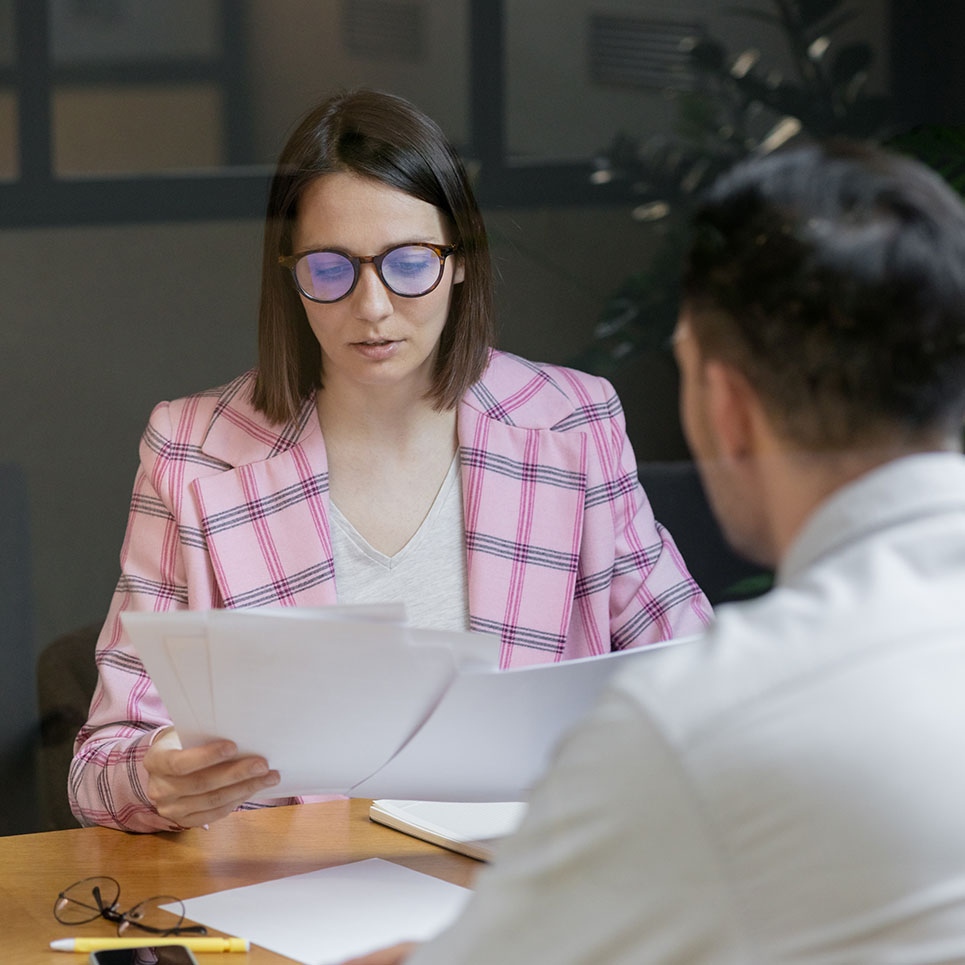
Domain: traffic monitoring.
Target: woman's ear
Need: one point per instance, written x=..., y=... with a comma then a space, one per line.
x=459, y=273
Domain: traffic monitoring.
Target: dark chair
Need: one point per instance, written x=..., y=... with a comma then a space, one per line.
x=18, y=710
x=66, y=677
x=679, y=503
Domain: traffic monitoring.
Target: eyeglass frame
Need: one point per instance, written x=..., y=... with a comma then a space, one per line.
x=109, y=911
x=291, y=262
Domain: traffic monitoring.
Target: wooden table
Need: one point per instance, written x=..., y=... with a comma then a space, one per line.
x=243, y=849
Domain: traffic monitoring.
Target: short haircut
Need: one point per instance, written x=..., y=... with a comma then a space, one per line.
x=383, y=137
x=833, y=277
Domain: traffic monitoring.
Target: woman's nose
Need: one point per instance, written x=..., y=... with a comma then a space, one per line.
x=371, y=299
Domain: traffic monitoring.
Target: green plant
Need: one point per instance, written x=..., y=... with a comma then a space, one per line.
x=940, y=146
x=738, y=105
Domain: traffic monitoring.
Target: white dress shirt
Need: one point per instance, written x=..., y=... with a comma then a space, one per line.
x=790, y=788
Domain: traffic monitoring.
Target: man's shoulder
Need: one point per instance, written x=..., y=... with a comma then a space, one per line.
x=696, y=683
x=806, y=645
x=752, y=648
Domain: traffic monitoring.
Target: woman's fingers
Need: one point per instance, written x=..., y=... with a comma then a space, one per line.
x=196, y=810
x=200, y=784
x=183, y=763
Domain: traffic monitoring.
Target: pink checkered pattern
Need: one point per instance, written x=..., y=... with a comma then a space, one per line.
x=564, y=556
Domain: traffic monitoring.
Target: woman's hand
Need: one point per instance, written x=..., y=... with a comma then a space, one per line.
x=394, y=955
x=202, y=784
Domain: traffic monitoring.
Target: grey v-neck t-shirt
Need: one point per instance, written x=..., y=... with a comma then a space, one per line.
x=428, y=574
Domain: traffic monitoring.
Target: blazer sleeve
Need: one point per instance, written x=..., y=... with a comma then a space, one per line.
x=164, y=566
x=653, y=597
x=107, y=779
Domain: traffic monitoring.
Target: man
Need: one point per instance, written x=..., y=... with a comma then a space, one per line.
x=792, y=786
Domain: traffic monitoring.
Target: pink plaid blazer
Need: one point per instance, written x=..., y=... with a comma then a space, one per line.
x=564, y=556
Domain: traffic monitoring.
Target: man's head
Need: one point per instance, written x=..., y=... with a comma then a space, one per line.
x=827, y=283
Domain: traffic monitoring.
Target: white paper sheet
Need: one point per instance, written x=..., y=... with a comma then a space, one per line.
x=189, y=660
x=492, y=734
x=178, y=669
x=366, y=706
x=326, y=694
x=325, y=709
x=330, y=915
x=369, y=612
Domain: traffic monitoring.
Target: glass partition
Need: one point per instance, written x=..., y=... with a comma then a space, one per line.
x=9, y=135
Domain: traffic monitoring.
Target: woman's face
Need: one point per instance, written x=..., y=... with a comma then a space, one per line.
x=374, y=337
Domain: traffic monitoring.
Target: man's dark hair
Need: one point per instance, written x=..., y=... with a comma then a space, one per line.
x=383, y=137
x=833, y=277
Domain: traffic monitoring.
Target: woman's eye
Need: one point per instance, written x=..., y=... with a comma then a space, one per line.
x=408, y=261
x=328, y=268
x=331, y=271
x=411, y=267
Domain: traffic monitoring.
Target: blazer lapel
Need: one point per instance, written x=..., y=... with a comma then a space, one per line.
x=523, y=492
x=266, y=521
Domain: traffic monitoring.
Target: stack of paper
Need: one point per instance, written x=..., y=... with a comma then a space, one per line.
x=350, y=700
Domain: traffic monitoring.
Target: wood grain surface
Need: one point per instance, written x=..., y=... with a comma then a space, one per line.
x=243, y=849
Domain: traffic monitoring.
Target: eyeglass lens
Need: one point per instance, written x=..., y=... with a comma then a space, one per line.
x=408, y=270
x=97, y=897
x=160, y=915
x=86, y=900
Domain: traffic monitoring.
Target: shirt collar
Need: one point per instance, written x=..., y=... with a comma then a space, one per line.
x=899, y=491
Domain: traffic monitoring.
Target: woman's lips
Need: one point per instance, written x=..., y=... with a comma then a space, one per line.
x=377, y=349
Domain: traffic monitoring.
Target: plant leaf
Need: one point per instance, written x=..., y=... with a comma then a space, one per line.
x=813, y=12
x=940, y=146
x=749, y=586
x=849, y=62
x=753, y=14
x=786, y=98
x=866, y=117
x=846, y=16
x=709, y=55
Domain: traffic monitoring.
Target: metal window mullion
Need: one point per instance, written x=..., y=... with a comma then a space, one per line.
x=34, y=94
x=236, y=102
x=487, y=84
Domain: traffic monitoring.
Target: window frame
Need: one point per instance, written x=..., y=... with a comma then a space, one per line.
x=37, y=196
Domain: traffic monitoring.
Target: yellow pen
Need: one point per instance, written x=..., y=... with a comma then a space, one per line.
x=210, y=944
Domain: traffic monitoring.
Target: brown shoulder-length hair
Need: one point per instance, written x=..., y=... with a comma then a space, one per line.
x=380, y=136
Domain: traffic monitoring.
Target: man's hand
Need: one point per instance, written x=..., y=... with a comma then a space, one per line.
x=202, y=784
x=395, y=955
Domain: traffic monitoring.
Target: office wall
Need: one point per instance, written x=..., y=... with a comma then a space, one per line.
x=98, y=324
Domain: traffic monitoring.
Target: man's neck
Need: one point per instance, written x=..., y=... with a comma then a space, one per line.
x=799, y=482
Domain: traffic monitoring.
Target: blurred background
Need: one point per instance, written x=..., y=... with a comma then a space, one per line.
x=136, y=139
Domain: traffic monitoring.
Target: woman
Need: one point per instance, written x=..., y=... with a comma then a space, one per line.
x=382, y=450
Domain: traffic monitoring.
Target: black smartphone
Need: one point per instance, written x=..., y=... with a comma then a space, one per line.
x=145, y=955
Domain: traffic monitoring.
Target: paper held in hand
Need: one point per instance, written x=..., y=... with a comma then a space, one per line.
x=351, y=700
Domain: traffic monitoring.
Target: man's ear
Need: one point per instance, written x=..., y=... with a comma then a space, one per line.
x=732, y=409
